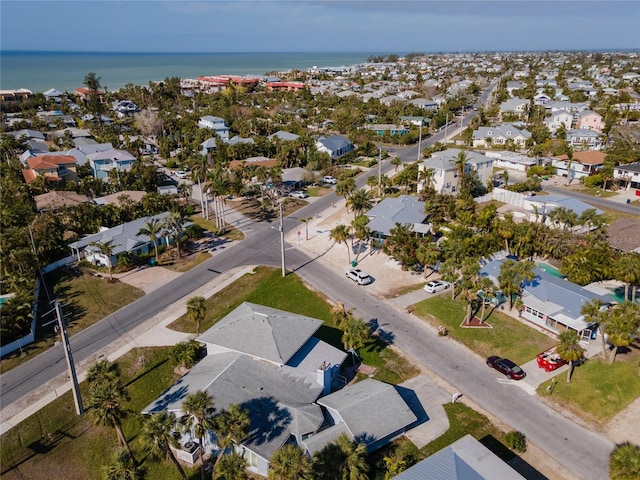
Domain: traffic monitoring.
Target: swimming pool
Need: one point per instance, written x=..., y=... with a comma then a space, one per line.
x=551, y=270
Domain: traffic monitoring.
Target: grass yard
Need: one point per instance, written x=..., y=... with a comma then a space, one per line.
x=56, y=443
x=598, y=390
x=187, y=263
x=232, y=233
x=508, y=337
x=267, y=287
x=86, y=299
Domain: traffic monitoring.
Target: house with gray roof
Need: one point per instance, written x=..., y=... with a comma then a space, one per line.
x=283, y=136
x=217, y=124
x=270, y=363
x=125, y=238
x=552, y=302
x=464, y=459
x=514, y=105
x=403, y=210
x=102, y=162
x=336, y=146
x=500, y=135
x=444, y=173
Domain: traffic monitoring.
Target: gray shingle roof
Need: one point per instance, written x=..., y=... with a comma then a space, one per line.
x=282, y=135
x=465, y=459
x=263, y=332
x=335, y=142
x=404, y=209
x=358, y=402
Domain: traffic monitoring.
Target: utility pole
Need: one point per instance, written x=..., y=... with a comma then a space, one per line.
x=379, y=171
x=77, y=398
x=420, y=140
x=446, y=126
x=281, y=229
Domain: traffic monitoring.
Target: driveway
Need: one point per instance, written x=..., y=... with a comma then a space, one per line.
x=148, y=278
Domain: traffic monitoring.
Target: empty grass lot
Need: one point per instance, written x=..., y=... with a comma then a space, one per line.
x=598, y=389
x=508, y=337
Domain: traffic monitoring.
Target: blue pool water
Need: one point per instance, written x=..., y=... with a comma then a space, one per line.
x=551, y=270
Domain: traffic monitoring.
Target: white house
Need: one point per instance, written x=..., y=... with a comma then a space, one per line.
x=336, y=146
x=629, y=173
x=217, y=124
x=557, y=119
x=444, y=173
x=581, y=139
x=500, y=135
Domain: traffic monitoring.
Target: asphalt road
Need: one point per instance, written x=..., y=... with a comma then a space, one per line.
x=582, y=451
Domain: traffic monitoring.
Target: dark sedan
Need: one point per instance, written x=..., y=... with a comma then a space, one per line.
x=506, y=367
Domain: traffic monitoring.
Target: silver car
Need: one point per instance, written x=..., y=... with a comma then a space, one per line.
x=358, y=276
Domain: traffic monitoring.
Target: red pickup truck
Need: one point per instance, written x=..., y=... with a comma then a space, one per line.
x=550, y=360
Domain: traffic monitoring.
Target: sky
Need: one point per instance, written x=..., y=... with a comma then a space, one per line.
x=391, y=26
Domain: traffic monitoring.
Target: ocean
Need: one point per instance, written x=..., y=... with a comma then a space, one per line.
x=65, y=71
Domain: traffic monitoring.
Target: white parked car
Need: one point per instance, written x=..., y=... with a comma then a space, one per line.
x=299, y=194
x=329, y=179
x=436, y=286
x=358, y=276
x=182, y=174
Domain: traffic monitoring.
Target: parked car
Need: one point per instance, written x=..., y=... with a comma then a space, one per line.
x=506, y=367
x=298, y=194
x=550, y=360
x=436, y=286
x=358, y=276
x=329, y=179
x=181, y=174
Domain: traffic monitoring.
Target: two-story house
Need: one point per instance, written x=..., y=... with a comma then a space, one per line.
x=102, y=162
x=628, y=174
x=217, y=124
x=500, y=135
x=582, y=164
x=54, y=168
x=582, y=139
x=443, y=172
x=590, y=120
x=558, y=119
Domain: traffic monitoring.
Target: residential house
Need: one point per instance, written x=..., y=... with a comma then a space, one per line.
x=403, y=210
x=514, y=85
x=464, y=459
x=582, y=164
x=217, y=124
x=54, y=168
x=511, y=160
x=500, y=135
x=551, y=302
x=424, y=103
x=237, y=140
x=590, y=120
x=622, y=234
x=55, y=200
x=270, y=363
x=19, y=95
x=444, y=173
x=336, y=146
x=120, y=198
x=558, y=119
x=381, y=129
x=285, y=86
x=542, y=99
x=581, y=139
x=629, y=174
x=283, y=136
x=102, y=162
x=124, y=238
x=515, y=105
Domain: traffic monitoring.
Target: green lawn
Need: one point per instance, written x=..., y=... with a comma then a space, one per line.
x=86, y=299
x=598, y=390
x=508, y=337
x=55, y=442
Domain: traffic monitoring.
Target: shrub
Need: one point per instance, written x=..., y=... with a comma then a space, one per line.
x=171, y=164
x=593, y=181
x=516, y=441
x=194, y=231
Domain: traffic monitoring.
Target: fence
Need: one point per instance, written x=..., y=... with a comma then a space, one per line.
x=30, y=337
x=59, y=263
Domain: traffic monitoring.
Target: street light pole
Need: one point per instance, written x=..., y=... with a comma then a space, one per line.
x=420, y=141
x=281, y=229
x=77, y=399
x=379, y=170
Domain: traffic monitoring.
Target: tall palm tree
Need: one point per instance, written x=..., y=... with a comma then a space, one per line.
x=160, y=432
x=621, y=326
x=355, y=462
x=624, y=462
x=152, y=229
x=174, y=223
x=469, y=285
x=198, y=410
x=450, y=273
x=231, y=427
x=627, y=270
x=569, y=349
x=340, y=234
x=355, y=334
x=487, y=287
x=106, y=248
x=512, y=275
x=341, y=314
x=232, y=467
x=306, y=226
x=196, y=311
x=372, y=181
x=289, y=463
x=460, y=162
x=217, y=185
x=106, y=407
x=428, y=253
x=103, y=371
x=344, y=188
x=123, y=467
x=359, y=201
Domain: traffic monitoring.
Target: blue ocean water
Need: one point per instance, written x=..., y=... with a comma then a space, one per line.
x=65, y=71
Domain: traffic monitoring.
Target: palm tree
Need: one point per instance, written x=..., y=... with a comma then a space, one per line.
x=232, y=467
x=354, y=466
x=569, y=349
x=289, y=463
x=624, y=462
x=175, y=223
x=355, y=334
x=106, y=249
x=593, y=313
x=198, y=410
x=396, y=162
x=627, y=270
x=217, y=185
x=425, y=177
x=487, y=287
x=344, y=188
x=103, y=371
x=512, y=275
x=196, y=311
x=340, y=234
x=152, y=228
x=428, y=253
x=341, y=315
x=159, y=435
x=460, y=162
x=621, y=326
x=469, y=285
x=361, y=231
x=359, y=202
x=372, y=181
x=123, y=467
x=449, y=273
x=106, y=399
x=306, y=226
x=231, y=427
